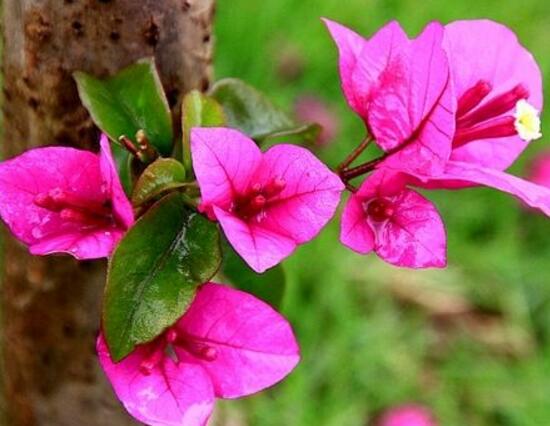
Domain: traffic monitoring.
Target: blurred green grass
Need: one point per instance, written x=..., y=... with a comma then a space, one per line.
x=365, y=345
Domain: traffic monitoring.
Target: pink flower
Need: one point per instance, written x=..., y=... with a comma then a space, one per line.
x=498, y=86
x=400, y=225
x=63, y=200
x=227, y=345
x=401, y=88
x=499, y=94
x=407, y=415
x=267, y=203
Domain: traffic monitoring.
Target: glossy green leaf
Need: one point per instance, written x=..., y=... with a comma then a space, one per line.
x=154, y=273
x=269, y=286
x=304, y=134
x=198, y=110
x=251, y=112
x=160, y=176
x=131, y=100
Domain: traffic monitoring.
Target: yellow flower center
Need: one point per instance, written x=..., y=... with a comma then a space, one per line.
x=527, y=121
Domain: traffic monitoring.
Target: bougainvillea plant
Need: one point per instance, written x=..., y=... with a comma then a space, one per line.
x=231, y=194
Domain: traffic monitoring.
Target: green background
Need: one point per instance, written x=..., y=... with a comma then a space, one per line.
x=471, y=341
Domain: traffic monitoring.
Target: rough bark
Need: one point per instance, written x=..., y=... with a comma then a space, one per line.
x=51, y=306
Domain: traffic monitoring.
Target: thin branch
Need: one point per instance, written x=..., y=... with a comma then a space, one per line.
x=362, y=169
x=354, y=154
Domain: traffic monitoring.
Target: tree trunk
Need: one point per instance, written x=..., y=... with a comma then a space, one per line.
x=51, y=305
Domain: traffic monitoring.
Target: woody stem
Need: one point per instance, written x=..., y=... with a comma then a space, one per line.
x=354, y=154
x=362, y=169
x=350, y=187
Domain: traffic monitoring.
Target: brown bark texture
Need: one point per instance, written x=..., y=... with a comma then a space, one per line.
x=51, y=305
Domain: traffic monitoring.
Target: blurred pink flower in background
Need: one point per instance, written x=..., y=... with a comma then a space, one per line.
x=407, y=415
x=539, y=170
x=312, y=109
x=289, y=60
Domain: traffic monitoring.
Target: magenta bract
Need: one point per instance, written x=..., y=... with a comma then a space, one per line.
x=498, y=88
x=228, y=344
x=400, y=225
x=401, y=88
x=63, y=200
x=491, y=73
x=458, y=175
x=266, y=203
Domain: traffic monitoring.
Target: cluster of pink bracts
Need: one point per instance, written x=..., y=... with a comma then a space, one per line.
x=62, y=200
x=450, y=109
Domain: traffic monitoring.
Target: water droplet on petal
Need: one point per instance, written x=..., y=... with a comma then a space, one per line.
x=37, y=233
x=209, y=353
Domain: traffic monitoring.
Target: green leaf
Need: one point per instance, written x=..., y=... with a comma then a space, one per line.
x=123, y=161
x=269, y=286
x=198, y=110
x=129, y=167
x=131, y=100
x=154, y=273
x=306, y=133
x=251, y=112
x=160, y=176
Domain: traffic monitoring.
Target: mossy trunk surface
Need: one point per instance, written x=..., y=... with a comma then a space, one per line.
x=51, y=305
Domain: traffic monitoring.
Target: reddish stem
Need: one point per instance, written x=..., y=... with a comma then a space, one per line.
x=354, y=154
x=362, y=169
x=350, y=187
x=128, y=145
x=146, y=152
